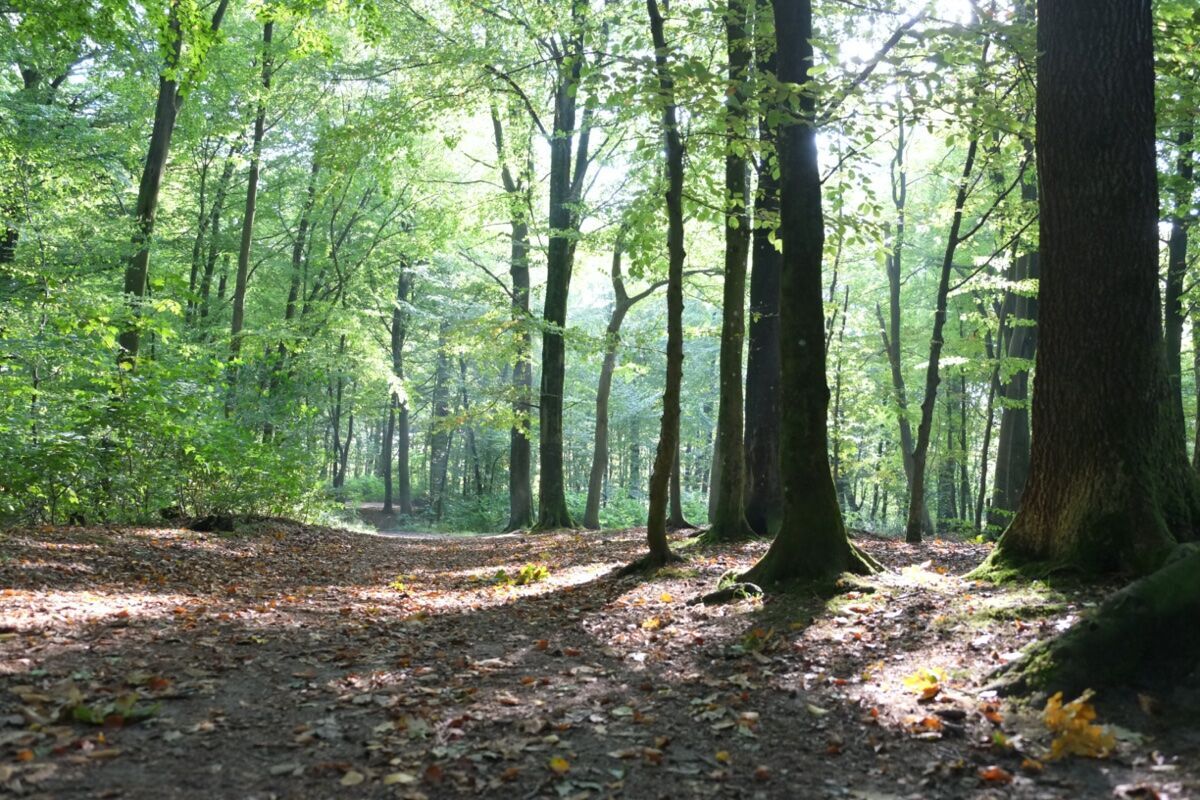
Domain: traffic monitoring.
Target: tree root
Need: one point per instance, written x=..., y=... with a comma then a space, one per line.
x=1151, y=623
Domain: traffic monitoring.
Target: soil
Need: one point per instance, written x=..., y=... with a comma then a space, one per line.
x=286, y=661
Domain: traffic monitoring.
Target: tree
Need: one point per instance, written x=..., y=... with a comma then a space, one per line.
x=1110, y=488
x=729, y=511
x=763, y=489
x=812, y=541
x=166, y=109
x=667, y=453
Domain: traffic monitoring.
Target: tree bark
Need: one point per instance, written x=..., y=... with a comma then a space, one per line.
x=520, y=460
x=237, y=321
x=812, y=542
x=1177, y=247
x=728, y=514
x=1110, y=488
x=763, y=488
x=166, y=109
x=668, y=438
x=1018, y=341
x=566, y=187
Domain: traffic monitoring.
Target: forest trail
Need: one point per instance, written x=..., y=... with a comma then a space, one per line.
x=289, y=661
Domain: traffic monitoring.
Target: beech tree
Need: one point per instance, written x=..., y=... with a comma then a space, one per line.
x=812, y=541
x=1110, y=488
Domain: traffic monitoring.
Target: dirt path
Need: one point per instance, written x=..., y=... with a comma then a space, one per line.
x=292, y=662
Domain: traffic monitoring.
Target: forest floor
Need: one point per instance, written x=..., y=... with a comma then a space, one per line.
x=286, y=661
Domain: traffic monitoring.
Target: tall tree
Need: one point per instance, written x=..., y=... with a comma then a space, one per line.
x=729, y=510
x=166, y=109
x=812, y=541
x=518, y=191
x=237, y=320
x=668, y=437
x=763, y=489
x=565, y=190
x=1110, y=488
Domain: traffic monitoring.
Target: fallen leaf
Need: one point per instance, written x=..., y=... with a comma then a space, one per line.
x=994, y=774
x=559, y=765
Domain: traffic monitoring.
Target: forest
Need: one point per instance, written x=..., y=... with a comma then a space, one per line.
x=566, y=398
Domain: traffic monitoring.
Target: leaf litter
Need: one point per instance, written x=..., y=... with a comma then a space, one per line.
x=294, y=661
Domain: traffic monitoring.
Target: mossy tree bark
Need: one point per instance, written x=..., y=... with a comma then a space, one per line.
x=1150, y=624
x=812, y=541
x=1110, y=488
x=668, y=437
x=728, y=515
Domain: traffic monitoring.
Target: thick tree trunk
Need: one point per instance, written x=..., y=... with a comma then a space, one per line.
x=565, y=190
x=668, y=438
x=763, y=489
x=812, y=542
x=1110, y=488
x=728, y=513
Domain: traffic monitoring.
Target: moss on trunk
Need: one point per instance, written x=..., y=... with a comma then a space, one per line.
x=1154, y=623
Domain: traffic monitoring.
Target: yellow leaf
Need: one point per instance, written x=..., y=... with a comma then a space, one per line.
x=723, y=756
x=559, y=765
x=651, y=624
x=925, y=682
x=1074, y=733
x=665, y=597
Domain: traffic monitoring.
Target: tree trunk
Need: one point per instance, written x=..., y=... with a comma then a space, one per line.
x=1018, y=341
x=890, y=330
x=812, y=541
x=621, y=305
x=728, y=513
x=237, y=321
x=916, y=485
x=676, y=521
x=471, y=451
x=439, y=441
x=1109, y=488
x=1177, y=246
x=1147, y=627
x=668, y=438
x=520, y=484
x=214, y=235
x=166, y=109
x=763, y=488
x=565, y=190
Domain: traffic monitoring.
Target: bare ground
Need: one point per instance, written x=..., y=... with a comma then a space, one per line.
x=296, y=662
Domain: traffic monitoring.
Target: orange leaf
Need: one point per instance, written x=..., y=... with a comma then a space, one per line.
x=994, y=774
